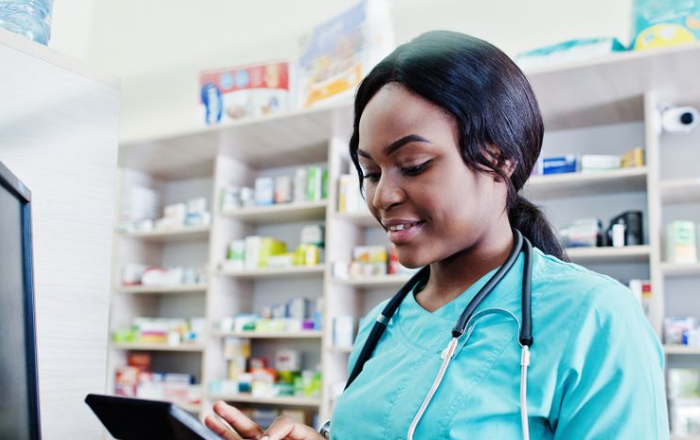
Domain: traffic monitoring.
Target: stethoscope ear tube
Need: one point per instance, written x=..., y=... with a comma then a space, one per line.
x=502, y=271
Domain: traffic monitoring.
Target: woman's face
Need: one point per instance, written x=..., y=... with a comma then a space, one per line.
x=416, y=184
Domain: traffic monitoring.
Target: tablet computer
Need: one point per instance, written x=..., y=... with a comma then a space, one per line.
x=139, y=419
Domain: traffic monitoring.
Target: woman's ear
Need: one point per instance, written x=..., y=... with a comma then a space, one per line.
x=494, y=155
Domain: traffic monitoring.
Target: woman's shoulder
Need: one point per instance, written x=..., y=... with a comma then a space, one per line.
x=577, y=287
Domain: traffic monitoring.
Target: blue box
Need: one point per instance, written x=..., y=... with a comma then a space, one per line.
x=560, y=164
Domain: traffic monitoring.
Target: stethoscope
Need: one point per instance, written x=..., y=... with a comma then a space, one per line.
x=521, y=244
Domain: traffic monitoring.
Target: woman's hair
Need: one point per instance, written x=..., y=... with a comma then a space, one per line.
x=491, y=102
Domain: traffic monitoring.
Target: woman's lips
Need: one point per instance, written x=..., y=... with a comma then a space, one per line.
x=404, y=235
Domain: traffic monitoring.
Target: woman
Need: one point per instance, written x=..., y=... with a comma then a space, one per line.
x=446, y=132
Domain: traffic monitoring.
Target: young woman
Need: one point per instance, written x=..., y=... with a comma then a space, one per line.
x=446, y=132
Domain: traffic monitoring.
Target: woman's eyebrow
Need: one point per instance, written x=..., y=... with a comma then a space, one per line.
x=394, y=146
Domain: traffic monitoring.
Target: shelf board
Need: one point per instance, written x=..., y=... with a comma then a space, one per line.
x=163, y=290
x=375, y=281
x=282, y=213
x=296, y=271
x=673, y=270
x=171, y=235
x=292, y=138
x=158, y=347
x=609, y=254
x=681, y=350
x=586, y=184
x=252, y=334
x=362, y=219
x=685, y=437
x=680, y=190
x=345, y=350
x=282, y=400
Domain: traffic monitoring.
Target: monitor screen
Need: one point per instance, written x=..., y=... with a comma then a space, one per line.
x=19, y=411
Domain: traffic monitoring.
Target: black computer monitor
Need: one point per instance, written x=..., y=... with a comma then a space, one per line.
x=19, y=399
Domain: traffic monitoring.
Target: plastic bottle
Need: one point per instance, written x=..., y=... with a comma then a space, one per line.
x=29, y=18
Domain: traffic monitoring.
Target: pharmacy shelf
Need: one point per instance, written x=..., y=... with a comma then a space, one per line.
x=375, y=281
x=586, y=184
x=282, y=213
x=280, y=401
x=296, y=271
x=158, y=347
x=672, y=270
x=171, y=235
x=685, y=437
x=363, y=219
x=681, y=350
x=163, y=290
x=334, y=349
x=625, y=254
x=680, y=190
x=308, y=334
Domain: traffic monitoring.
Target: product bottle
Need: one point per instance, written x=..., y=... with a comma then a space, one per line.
x=29, y=18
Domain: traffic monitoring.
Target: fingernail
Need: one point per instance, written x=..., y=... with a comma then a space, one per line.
x=265, y=438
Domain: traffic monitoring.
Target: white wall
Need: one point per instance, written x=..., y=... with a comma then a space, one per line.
x=158, y=47
x=58, y=134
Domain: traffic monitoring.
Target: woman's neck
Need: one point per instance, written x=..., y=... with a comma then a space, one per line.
x=449, y=278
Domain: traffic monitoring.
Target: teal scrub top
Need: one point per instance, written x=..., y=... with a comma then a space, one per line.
x=596, y=366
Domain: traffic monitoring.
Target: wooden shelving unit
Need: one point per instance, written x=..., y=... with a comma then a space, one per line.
x=171, y=235
x=286, y=213
x=601, y=102
x=162, y=290
x=296, y=271
x=137, y=346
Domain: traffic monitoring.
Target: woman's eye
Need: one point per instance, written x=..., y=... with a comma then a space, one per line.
x=414, y=171
x=372, y=177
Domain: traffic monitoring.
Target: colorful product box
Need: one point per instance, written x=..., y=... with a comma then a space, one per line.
x=681, y=243
x=559, y=164
x=244, y=92
x=337, y=54
x=664, y=23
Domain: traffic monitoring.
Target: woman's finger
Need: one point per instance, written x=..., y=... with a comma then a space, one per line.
x=240, y=423
x=287, y=428
x=220, y=428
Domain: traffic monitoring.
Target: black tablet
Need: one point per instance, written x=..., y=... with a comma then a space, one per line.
x=138, y=419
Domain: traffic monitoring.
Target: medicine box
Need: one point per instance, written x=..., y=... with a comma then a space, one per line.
x=664, y=23
x=337, y=54
x=559, y=164
x=681, y=245
x=240, y=92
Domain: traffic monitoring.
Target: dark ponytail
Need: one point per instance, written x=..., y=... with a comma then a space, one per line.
x=531, y=221
x=491, y=102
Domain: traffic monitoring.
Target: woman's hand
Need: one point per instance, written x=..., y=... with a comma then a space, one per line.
x=241, y=427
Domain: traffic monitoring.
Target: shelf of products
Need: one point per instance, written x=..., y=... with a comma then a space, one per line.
x=163, y=290
x=296, y=271
x=609, y=254
x=680, y=190
x=135, y=346
x=587, y=184
x=282, y=213
x=281, y=401
x=171, y=235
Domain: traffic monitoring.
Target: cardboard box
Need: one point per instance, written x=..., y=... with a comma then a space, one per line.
x=241, y=92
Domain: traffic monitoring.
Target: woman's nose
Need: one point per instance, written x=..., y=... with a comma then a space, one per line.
x=387, y=193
